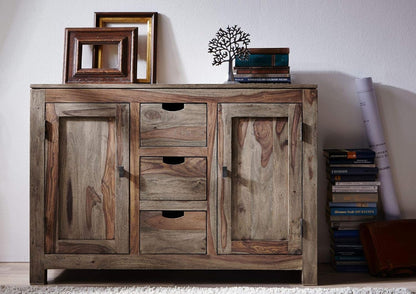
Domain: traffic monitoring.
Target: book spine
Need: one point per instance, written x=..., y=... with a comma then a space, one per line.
x=375, y=183
x=352, y=204
x=349, y=153
x=283, y=50
x=347, y=240
x=349, y=225
x=371, y=165
x=349, y=258
x=360, y=189
x=352, y=178
x=351, y=268
x=346, y=233
x=347, y=197
x=346, y=218
x=262, y=76
x=262, y=70
x=353, y=211
x=263, y=60
x=352, y=161
x=353, y=171
x=262, y=80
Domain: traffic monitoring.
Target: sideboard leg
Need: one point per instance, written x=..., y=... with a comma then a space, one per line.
x=310, y=188
x=37, y=188
x=38, y=276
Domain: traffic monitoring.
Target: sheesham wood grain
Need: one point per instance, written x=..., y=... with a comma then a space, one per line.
x=134, y=177
x=209, y=95
x=162, y=235
x=86, y=246
x=173, y=205
x=310, y=233
x=259, y=191
x=295, y=179
x=90, y=110
x=164, y=181
x=212, y=178
x=84, y=201
x=185, y=127
x=174, y=95
x=52, y=170
x=176, y=86
x=37, y=188
x=177, y=261
x=122, y=180
x=174, y=151
x=257, y=137
x=259, y=247
x=224, y=188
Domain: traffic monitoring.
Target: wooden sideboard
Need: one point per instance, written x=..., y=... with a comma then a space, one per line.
x=213, y=177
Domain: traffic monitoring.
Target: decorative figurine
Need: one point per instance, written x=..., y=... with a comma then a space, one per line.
x=227, y=45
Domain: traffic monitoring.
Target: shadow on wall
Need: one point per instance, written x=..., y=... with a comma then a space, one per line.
x=340, y=125
x=398, y=114
x=169, y=67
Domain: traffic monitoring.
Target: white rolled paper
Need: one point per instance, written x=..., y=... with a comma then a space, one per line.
x=372, y=122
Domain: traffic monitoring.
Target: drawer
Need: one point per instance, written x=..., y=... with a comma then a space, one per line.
x=173, y=178
x=173, y=232
x=173, y=124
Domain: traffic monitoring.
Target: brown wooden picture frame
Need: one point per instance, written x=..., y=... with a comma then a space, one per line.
x=124, y=38
x=105, y=19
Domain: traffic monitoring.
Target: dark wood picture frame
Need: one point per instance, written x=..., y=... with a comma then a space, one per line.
x=105, y=19
x=124, y=38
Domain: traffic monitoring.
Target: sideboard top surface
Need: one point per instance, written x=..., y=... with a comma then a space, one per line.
x=174, y=86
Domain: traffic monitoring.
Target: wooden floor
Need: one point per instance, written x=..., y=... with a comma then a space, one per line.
x=18, y=274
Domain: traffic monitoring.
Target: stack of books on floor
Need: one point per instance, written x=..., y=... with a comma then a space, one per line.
x=352, y=200
x=264, y=65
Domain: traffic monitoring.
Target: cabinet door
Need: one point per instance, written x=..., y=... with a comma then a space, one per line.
x=260, y=178
x=87, y=163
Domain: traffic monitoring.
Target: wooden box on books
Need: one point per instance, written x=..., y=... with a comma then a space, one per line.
x=161, y=177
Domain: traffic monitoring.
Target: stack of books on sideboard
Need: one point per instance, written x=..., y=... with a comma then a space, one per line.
x=352, y=200
x=264, y=65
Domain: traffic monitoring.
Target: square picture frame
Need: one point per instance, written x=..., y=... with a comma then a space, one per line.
x=124, y=39
x=146, y=52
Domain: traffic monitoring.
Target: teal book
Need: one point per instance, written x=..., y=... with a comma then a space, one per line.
x=262, y=60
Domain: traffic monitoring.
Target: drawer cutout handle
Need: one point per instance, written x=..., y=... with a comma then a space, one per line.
x=173, y=160
x=173, y=106
x=172, y=214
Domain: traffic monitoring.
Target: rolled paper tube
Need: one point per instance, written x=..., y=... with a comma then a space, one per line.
x=374, y=129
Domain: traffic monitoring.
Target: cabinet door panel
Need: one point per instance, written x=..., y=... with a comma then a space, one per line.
x=87, y=197
x=260, y=190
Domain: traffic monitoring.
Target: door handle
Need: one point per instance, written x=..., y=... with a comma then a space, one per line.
x=121, y=171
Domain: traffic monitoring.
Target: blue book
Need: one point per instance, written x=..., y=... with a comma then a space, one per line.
x=353, y=170
x=346, y=233
x=347, y=240
x=353, y=211
x=354, y=153
x=351, y=268
x=349, y=258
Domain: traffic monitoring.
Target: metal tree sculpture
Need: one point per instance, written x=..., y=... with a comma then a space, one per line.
x=227, y=45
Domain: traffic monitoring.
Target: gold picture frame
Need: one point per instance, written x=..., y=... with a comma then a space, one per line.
x=149, y=19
